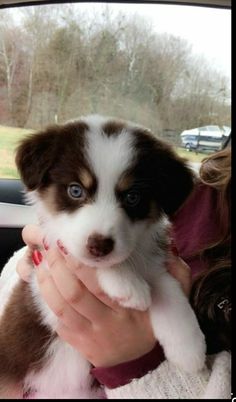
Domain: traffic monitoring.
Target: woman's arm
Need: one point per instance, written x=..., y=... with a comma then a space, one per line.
x=105, y=333
x=169, y=382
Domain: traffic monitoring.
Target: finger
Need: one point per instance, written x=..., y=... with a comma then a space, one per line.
x=32, y=236
x=57, y=303
x=54, y=256
x=75, y=293
x=24, y=266
x=69, y=336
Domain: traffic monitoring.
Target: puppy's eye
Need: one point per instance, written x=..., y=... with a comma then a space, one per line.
x=75, y=190
x=132, y=198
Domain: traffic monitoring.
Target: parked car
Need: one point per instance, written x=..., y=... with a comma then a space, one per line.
x=204, y=138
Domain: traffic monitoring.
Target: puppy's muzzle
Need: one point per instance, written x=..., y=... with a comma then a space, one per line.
x=99, y=246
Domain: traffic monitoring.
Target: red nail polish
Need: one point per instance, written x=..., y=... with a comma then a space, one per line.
x=61, y=247
x=45, y=245
x=37, y=257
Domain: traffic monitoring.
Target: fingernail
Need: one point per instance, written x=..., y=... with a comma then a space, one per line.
x=45, y=245
x=62, y=248
x=37, y=257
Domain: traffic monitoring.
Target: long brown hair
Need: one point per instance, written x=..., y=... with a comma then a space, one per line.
x=211, y=290
x=215, y=172
x=211, y=300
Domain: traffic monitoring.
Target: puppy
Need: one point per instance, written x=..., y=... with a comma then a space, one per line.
x=107, y=188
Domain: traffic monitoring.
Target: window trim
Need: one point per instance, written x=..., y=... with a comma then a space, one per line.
x=206, y=3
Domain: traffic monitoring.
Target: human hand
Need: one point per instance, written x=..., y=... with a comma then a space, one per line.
x=105, y=333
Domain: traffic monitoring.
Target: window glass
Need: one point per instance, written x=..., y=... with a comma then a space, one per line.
x=165, y=67
x=191, y=137
x=213, y=128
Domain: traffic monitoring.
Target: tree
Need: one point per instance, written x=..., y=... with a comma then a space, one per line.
x=56, y=64
x=9, y=58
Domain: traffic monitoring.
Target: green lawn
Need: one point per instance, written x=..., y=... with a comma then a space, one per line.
x=10, y=136
x=191, y=155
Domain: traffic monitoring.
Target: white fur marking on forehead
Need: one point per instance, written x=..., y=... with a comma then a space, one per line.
x=95, y=120
x=109, y=156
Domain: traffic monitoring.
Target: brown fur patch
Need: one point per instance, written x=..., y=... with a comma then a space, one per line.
x=86, y=178
x=160, y=178
x=113, y=127
x=51, y=160
x=125, y=182
x=168, y=175
x=10, y=390
x=40, y=152
x=23, y=338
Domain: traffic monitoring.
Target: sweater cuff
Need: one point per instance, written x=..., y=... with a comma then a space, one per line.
x=124, y=373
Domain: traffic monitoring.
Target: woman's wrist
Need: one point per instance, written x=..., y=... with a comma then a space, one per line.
x=123, y=373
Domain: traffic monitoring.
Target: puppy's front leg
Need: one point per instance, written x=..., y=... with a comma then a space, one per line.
x=175, y=325
x=129, y=289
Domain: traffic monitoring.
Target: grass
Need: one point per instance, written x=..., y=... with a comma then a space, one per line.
x=10, y=136
x=191, y=155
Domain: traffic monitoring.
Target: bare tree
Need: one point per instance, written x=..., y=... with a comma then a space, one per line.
x=56, y=63
x=9, y=56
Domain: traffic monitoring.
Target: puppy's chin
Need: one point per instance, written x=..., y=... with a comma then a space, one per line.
x=104, y=262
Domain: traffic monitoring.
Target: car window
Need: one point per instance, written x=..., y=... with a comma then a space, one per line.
x=213, y=128
x=163, y=66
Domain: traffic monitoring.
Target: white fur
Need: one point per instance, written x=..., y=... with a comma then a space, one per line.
x=66, y=375
x=138, y=277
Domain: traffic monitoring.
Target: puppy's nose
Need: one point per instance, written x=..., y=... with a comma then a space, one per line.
x=99, y=246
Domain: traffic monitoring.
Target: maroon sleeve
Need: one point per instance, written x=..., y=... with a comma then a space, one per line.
x=121, y=374
x=196, y=225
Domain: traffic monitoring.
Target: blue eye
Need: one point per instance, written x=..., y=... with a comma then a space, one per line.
x=75, y=190
x=132, y=198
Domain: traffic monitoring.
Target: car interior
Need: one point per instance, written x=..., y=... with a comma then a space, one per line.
x=14, y=213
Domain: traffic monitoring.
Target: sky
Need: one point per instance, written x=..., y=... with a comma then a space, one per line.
x=207, y=29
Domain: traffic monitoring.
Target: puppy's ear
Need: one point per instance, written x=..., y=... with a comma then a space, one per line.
x=175, y=181
x=34, y=157
x=172, y=180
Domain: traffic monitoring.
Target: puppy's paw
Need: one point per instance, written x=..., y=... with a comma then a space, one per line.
x=127, y=289
x=189, y=355
x=139, y=300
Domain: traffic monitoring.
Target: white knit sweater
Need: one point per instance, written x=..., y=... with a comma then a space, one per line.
x=168, y=382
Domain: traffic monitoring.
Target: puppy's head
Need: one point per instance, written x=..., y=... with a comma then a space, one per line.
x=101, y=184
